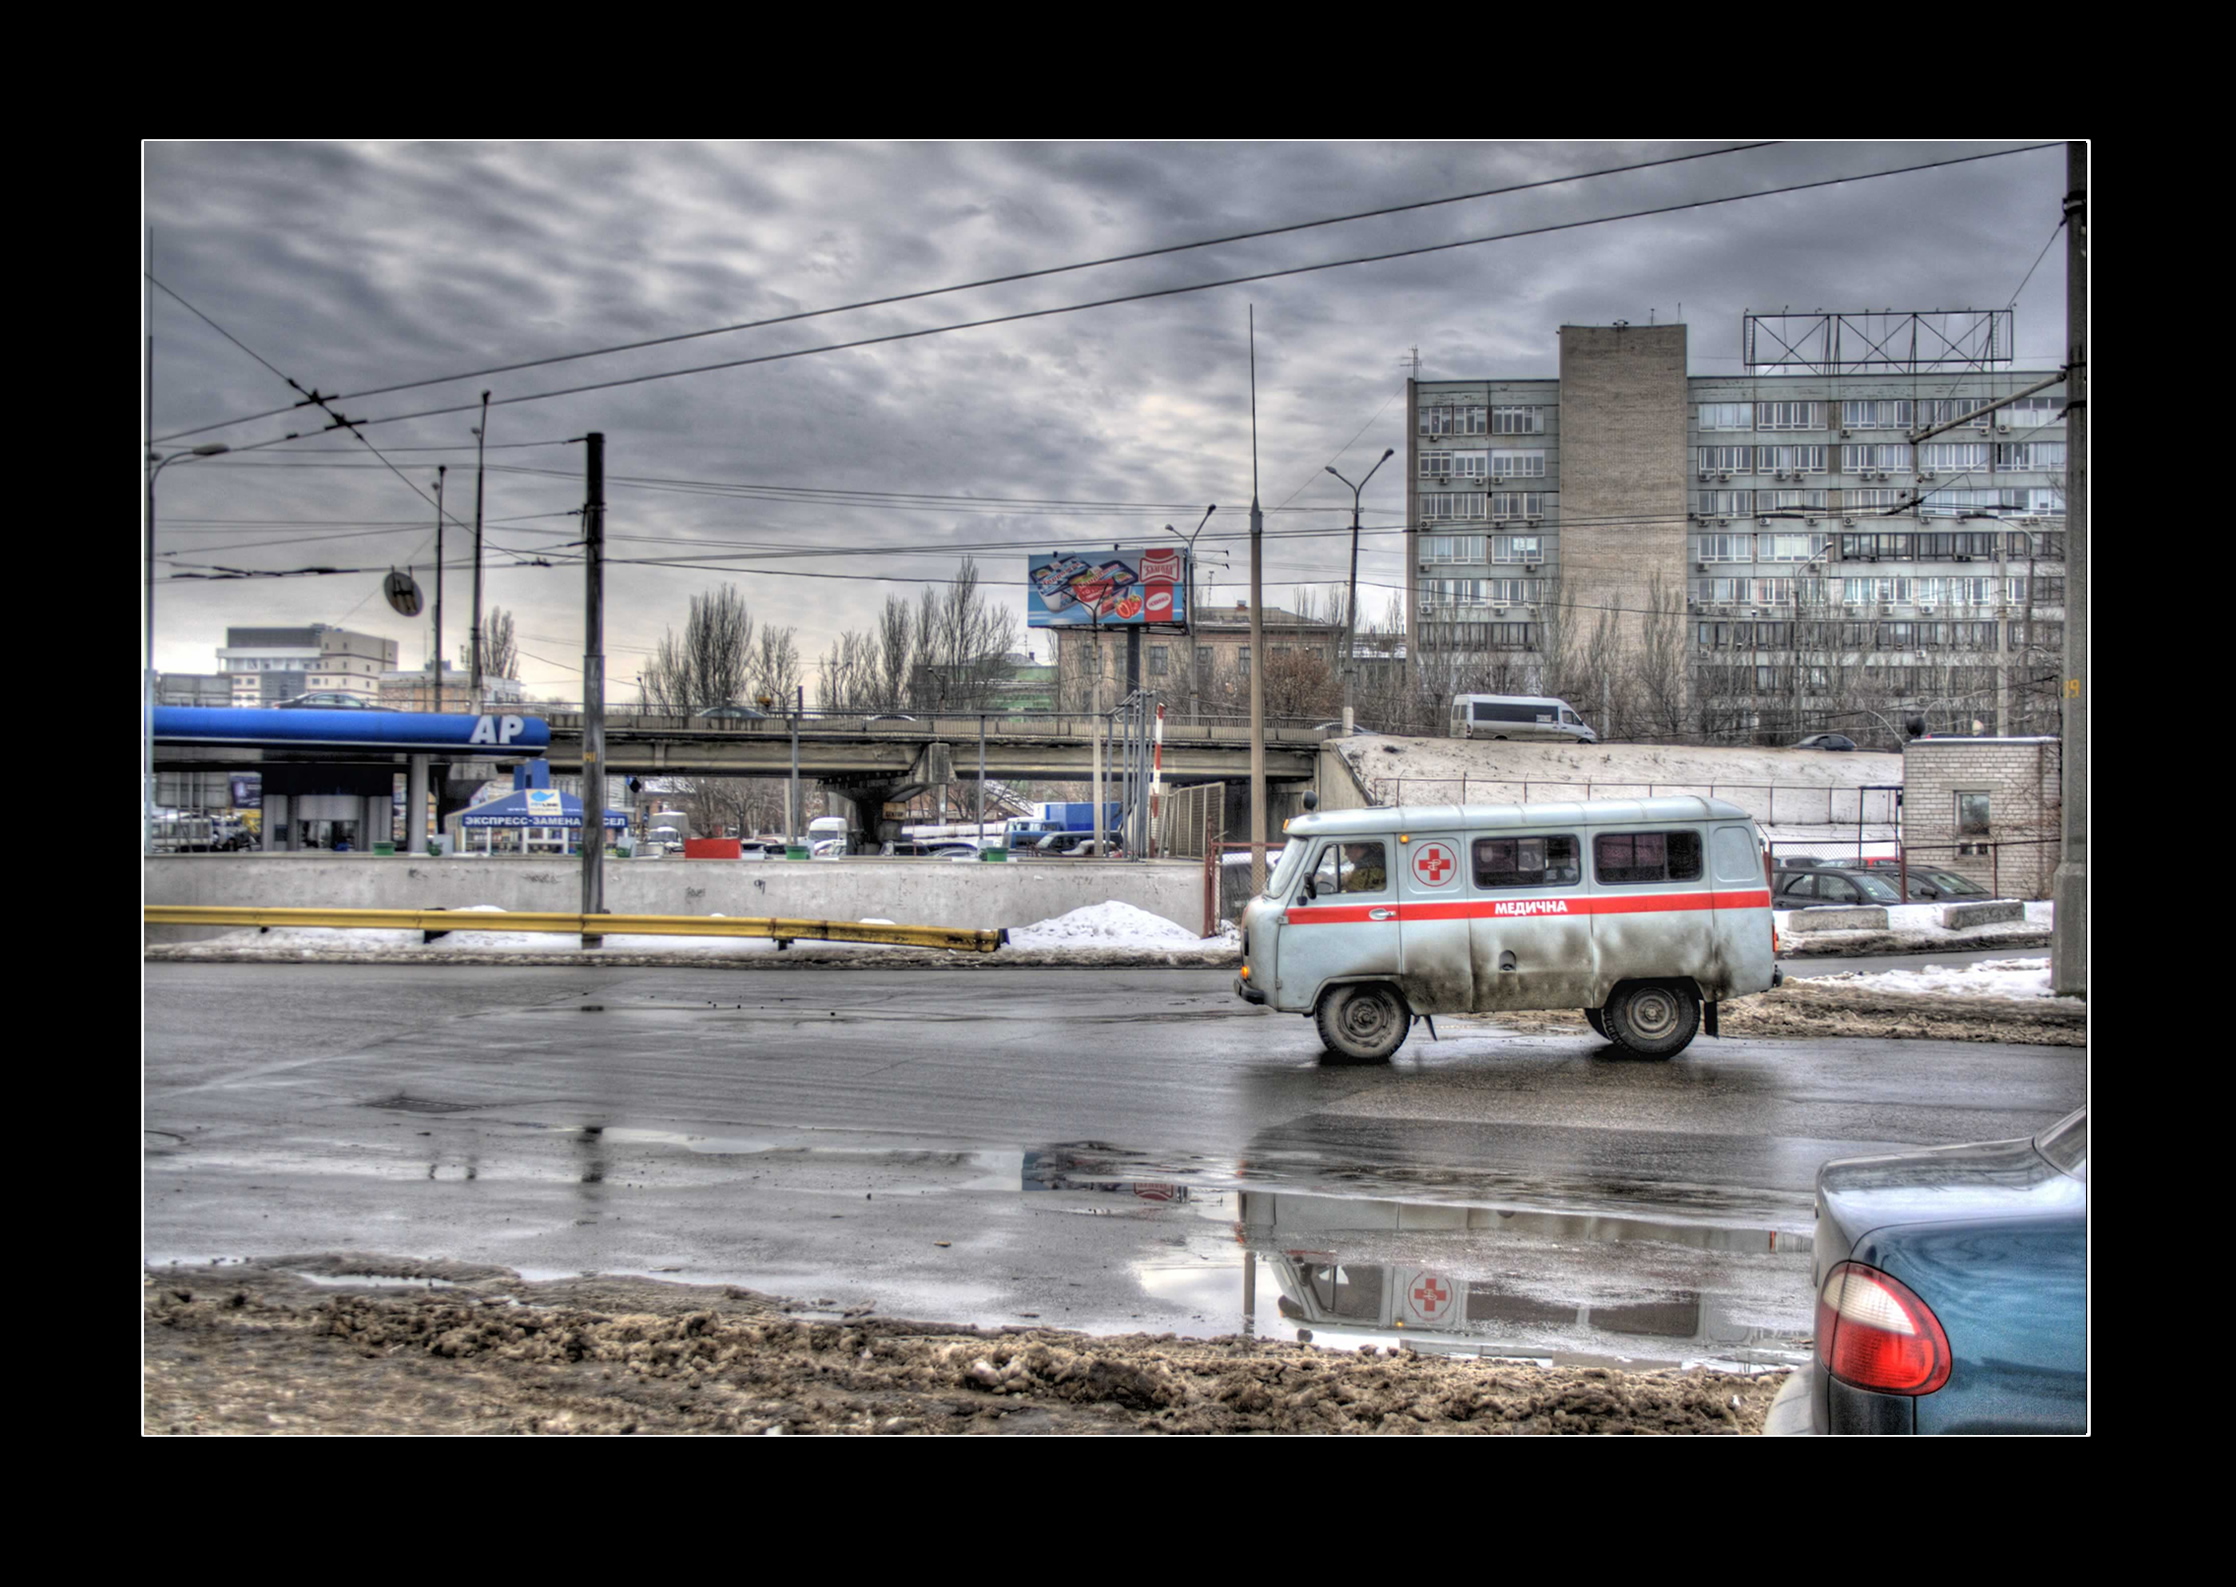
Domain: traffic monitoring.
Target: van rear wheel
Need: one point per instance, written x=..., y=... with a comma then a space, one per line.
x=1652, y=1019
x=1364, y=1024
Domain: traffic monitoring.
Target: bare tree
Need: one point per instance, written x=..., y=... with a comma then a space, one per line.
x=709, y=663
x=894, y=626
x=961, y=645
x=500, y=655
x=773, y=670
x=1659, y=666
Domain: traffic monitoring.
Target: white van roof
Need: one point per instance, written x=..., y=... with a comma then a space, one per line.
x=1457, y=818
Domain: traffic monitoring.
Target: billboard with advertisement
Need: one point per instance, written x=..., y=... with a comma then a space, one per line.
x=1108, y=589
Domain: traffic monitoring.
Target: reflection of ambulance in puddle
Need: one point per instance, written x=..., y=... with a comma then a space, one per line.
x=1454, y=1309
x=1643, y=913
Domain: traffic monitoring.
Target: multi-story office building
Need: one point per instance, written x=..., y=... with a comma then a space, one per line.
x=1738, y=557
x=272, y=664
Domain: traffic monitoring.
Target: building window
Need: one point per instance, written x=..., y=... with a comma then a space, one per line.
x=1517, y=504
x=1727, y=416
x=1452, y=548
x=1453, y=418
x=1789, y=500
x=2033, y=411
x=1727, y=504
x=1518, y=465
x=1948, y=409
x=1971, y=813
x=1157, y=655
x=1726, y=459
x=1789, y=459
x=1881, y=415
x=1242, y=659
x=1517, y=548
x=1946, y=457
x=1789, y=415
x=1892, y=456
x=1456, y=465
x=1517, y=421
x=1453, y=504
x=2031, y=455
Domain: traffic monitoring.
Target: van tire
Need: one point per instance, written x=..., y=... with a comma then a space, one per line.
x=1598, y=1022
x=1653, y=1019
x=1363, y=1024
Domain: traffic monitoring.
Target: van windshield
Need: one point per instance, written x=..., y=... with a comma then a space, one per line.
x=1285, y=867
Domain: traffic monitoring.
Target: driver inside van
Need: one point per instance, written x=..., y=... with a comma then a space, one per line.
x=1362, y=868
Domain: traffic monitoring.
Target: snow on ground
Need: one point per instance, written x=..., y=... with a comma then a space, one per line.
x=1105, y=925
x=2015, y=979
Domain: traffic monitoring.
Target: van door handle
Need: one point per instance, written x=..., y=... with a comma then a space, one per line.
x=1380, y=914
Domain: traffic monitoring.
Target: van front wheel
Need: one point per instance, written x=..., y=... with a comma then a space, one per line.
x=1365, y=1024
x=1652, y=1019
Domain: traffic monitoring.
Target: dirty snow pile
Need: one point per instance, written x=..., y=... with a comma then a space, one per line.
x=2019, y=980
x=1105, y=925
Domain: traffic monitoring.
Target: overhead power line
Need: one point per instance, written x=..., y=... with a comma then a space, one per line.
x=987, y=281
x=1161, y=292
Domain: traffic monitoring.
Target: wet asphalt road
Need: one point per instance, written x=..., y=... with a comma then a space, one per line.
x=1093, y=1148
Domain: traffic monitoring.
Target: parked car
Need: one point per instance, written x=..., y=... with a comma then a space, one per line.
x=1952, y=1291
x=1824, y=885
x=730, y=713
x=1930, y=884
x=1337, y=727
x=331, y=700
x=1827, y=741
x=886, y=716
x=1801, y=862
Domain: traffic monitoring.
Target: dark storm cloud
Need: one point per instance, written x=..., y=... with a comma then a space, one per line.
x=351, y=266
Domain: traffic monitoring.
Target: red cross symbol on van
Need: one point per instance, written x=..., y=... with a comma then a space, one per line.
x=1434, y=863
x=1431, y=1294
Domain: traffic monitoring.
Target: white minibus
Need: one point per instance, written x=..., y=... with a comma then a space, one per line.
x=1643, y=913
x=1518, y=716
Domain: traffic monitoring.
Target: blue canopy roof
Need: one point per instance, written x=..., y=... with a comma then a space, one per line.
x=535, y=807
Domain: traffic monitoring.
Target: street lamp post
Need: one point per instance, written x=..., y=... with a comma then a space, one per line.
x=1351, y=595
x=147, y=702
x=1190, y=614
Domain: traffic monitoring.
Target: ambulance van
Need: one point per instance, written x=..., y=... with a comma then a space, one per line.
x=1644, y=913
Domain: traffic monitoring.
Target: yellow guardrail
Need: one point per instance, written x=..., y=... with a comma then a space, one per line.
x=439, y=922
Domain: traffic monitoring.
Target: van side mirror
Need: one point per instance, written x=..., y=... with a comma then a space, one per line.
x=1311, y=888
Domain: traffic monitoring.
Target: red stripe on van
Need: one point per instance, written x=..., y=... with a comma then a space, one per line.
x=1523, y=908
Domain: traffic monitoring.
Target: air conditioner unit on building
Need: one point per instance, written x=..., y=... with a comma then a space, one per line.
x=1704, y=474
x=1723, y=479
x=1700, y=567
x=1844, y=434
x=2004, y=424
x=1929, y=474
x=1723, y=523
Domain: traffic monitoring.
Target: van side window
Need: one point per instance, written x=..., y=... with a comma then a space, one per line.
x=1646, y=856
x=1353, y=867
x=1528, y=862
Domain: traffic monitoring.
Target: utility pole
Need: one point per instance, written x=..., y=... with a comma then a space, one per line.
x=481, y=443
x=2069, y=889
x=440, y=470
x=1094, y=723
x=1257, y=637
x=594, y=691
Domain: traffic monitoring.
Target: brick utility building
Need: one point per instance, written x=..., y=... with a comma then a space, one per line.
x=1987, y=808
x=1751, y=557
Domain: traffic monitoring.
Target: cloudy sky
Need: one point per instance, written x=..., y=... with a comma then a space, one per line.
x=819, y=484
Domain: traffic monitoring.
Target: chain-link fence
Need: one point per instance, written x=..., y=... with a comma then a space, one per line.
x=1771, y=804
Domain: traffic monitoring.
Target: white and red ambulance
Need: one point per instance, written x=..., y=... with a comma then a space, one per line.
x=1643, y=913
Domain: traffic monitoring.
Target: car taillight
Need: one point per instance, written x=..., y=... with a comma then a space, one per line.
x=1873, y=1332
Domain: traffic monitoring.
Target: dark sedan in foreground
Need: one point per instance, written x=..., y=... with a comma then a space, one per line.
x=1952, y=1292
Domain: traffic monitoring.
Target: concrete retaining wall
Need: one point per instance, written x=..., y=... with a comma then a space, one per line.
x=1807, y=920
x=1957, y=916
x=911, y=892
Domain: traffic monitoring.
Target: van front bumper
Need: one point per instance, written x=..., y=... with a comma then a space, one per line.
x=1248, y=993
